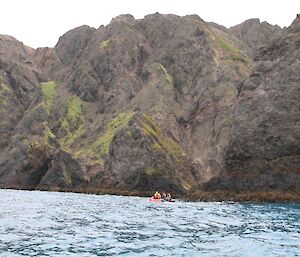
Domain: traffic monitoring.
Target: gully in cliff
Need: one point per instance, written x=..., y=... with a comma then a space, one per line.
x=157, y=197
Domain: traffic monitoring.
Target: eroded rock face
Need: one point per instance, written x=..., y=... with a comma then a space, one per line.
x=63, y=172
x=256, y=34
x=263, y=153
x=142, y=157
x=18, y=80
x=180, y=71
x=70, y=46
x=162, y=103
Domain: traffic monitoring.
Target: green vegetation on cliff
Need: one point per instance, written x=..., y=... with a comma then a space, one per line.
x=103, y=142
x=4, y=88
x=105, y=43
x=160, y=141
x=234, y=53
x=49, y=90
x=168, y=77
x=73, y=123
x=38, y=145
x=97, y=150
x=44, y=141
x=154, y=171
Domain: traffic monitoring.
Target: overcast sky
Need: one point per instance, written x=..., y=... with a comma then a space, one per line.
x=40, y=22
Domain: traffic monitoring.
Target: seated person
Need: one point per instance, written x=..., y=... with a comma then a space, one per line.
x=157, y=195
x=169, y=197
x=164, y=196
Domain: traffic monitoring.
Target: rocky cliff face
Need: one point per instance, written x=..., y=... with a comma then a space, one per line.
x=136, y=106
x=256, y=34
x=263, y=150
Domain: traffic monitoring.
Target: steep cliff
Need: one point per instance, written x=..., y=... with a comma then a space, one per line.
x=263, y=154
x=135, y=106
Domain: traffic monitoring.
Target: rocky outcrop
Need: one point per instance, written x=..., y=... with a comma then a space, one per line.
x=63, y=172
x=159, y=103
x=256, y=34
x=263, y=152
x=141, y=157
x=70, y=46
x=18, y=80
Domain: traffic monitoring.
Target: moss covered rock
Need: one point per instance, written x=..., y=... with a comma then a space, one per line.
x=131, y=161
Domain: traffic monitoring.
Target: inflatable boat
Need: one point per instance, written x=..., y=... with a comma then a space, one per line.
x=152, y=199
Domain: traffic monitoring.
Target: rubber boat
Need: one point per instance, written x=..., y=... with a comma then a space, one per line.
x=152, y=199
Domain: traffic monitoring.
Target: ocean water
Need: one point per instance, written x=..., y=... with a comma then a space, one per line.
x=66, y=224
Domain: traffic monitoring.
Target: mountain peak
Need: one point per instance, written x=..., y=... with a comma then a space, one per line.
x=252, y=20
x=124, y=18
x=295, y=26
x=255, y=34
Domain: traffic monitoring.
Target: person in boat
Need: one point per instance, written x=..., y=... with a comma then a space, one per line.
x=164, y=197
x=157, y=195
x=169, y=197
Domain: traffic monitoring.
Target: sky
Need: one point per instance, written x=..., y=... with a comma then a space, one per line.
x=40, y=23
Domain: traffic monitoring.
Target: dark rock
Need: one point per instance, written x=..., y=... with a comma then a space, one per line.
x=70, y=45
x=63, y=173
x=263, y=151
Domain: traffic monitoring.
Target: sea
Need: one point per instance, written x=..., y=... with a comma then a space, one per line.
x=35, y=223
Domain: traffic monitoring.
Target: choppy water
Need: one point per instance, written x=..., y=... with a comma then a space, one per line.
x=66, y=224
